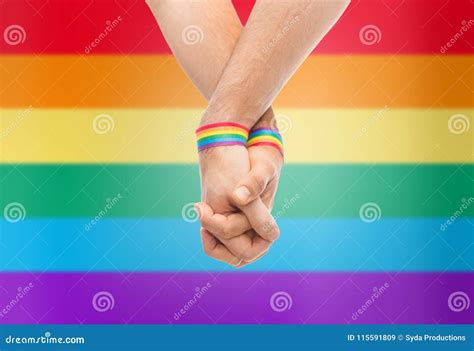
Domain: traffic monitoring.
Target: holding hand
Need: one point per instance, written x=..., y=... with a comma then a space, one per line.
x=236, y=230
x=240, y=74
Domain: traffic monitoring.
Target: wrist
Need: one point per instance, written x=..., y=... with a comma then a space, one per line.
x=234, y=110
x=221, y=134
x=266, y=121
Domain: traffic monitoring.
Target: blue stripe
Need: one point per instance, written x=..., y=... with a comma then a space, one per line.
x=265, y=132
x=173, y=245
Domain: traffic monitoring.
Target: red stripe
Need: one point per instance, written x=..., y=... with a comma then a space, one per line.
x=267, y=143
x=60, y=26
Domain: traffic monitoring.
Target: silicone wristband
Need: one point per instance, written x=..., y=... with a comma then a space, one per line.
x=221, y=134
x=265, y=136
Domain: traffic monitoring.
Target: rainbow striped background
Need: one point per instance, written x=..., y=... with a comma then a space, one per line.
x=376, y=199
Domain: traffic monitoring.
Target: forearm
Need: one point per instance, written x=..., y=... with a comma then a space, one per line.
x=202, y=35
x=278, y=36
x=217, y=28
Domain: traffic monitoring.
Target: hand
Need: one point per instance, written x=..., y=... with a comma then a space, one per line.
x=233, y=232
x=234, y=242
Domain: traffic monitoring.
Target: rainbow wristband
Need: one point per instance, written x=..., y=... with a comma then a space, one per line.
x=266, y=136
x=221, y=134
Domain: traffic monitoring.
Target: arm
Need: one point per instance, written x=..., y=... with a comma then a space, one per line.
x=278, y=36
x=215, y=27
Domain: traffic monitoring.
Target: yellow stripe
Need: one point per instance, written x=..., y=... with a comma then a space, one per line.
x=265, y=138
x=222, y=131
x=167, y=135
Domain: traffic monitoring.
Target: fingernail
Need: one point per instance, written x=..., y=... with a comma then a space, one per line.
x=242, y=193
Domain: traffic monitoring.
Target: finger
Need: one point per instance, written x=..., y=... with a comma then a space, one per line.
x=225, y=226
x=248, y=246
x=253, y=184
x=258, y=257
x=261, y=219
x=213, y=248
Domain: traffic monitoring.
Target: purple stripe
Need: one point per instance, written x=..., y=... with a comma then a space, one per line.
x=403, y=298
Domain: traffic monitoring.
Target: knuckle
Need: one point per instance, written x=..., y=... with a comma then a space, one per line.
x=228, y=230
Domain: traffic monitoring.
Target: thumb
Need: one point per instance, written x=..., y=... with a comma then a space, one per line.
x=253, y=184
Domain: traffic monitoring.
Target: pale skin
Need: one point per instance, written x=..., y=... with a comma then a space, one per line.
x=240, y=72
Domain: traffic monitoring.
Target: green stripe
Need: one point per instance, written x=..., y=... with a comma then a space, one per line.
x=161, y=190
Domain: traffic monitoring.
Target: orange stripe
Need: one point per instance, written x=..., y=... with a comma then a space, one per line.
x=158, y=81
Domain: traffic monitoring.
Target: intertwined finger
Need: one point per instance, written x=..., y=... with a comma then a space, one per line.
x=215, y=249
x=225, y=226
